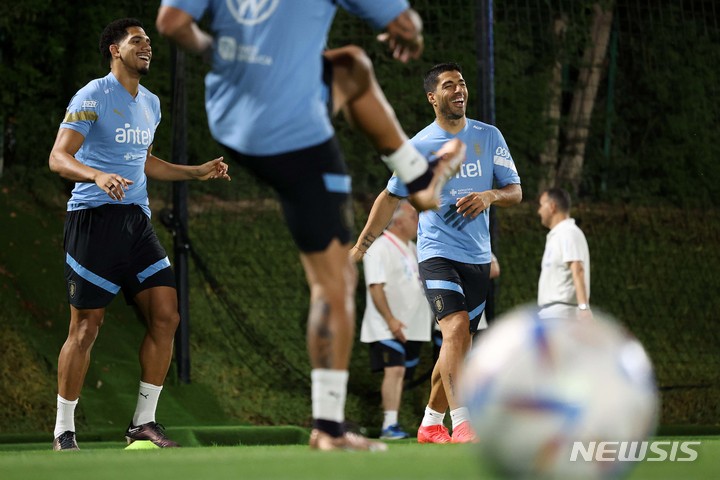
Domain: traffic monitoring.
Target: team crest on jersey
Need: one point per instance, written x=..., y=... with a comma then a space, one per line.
x=251, y=12
x=439, y=305
x=478, y=150
x=72, y=289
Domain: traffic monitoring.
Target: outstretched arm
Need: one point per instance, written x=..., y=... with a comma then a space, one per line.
x=181, y=28
x=380, y=215
x=159, y=169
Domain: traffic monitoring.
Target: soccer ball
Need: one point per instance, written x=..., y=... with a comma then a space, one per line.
x=544, y=393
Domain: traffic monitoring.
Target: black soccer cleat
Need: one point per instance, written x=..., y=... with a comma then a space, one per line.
x=65, y=441
x=151, y=431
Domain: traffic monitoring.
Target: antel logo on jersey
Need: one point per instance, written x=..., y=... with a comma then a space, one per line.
x=133, y=135
x=469, y=170
x=251, y=12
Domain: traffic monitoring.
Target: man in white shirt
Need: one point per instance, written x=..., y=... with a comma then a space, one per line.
x=397, y=315
x=564, y=286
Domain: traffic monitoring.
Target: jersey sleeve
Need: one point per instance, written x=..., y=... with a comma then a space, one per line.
x=84, y=110
x=397, y=187
x=194, y=8
x=504, y=169
x=376, y=13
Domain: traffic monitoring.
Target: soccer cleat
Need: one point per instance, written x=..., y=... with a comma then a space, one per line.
x=65, y=441
x=322, y=441
x=464, y=433
x=433, y=434
x=450, y=157
x=393, y=432
x=149, y=431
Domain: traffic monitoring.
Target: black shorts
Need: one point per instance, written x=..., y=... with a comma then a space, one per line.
x=314, y=189
x=452, y=286
x=393, y=353
x=112, y=248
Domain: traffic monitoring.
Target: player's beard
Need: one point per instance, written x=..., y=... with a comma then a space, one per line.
x=142, y=71
x=451, y=113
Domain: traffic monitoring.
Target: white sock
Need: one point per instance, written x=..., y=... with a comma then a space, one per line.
x=329, y=390
x=459, y=415
x=407, y=163
x=390, y=418
x=65, y=419
x=147, y=401
x=432, y=417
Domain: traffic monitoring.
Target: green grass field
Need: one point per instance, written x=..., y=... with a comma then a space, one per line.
x=404, y=460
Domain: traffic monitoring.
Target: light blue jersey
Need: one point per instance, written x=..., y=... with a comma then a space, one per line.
x=264, y=95
x=118, y=131
x=443, y=232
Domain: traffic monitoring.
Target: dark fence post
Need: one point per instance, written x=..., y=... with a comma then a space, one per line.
x=180, y=215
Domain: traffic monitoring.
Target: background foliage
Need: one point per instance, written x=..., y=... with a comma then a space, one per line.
x=648, y=205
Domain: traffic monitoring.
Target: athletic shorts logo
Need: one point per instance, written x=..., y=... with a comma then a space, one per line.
x=439, y=305
x=251, y=12
x=72, y=289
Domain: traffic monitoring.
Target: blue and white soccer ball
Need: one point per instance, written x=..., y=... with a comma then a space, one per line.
x=544, y=394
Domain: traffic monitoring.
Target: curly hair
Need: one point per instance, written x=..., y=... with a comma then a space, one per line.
x=114, y=33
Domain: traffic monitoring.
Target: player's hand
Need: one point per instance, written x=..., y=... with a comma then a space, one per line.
x=396, y=328
x=113, y=184
x=214, y=169
x=404, y=36
x=473, y=204
x=356, y=255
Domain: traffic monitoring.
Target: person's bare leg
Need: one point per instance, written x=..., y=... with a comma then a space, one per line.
x=456, y=343
x=437, y=400
x=74, y=357
x=331, y=320
x=391, y=389
x=159, y=307
x=358, y=94
x=332, y=278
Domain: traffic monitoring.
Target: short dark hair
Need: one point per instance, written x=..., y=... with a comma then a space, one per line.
x=561, y=198
x=114, y=33
x=431, y=76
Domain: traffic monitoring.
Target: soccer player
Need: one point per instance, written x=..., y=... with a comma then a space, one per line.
x=104, y=144
x=266, y=103
x=564, y=285
x=453, y=242
x=397, y=317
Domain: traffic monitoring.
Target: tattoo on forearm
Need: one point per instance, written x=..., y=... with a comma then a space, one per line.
x=367, y=240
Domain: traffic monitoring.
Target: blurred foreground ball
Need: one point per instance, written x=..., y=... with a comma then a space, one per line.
x=544, y=394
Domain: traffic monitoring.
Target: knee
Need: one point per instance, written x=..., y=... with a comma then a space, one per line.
x=396, y=373
x=84, y=331
x=361, y=63
x=352, y=61
x=455, y=330
x=165, y=319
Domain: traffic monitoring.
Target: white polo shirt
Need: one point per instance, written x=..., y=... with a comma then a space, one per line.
x=564, y=243
x=392, y=262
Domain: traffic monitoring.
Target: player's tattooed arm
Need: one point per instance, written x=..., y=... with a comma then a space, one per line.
x=378, y=219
